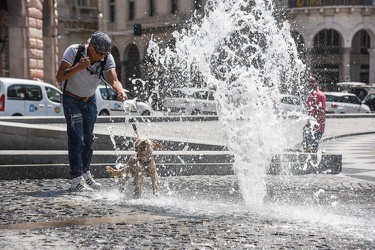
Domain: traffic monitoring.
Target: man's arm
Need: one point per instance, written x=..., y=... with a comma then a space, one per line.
x=66, y=70
x=116, y=85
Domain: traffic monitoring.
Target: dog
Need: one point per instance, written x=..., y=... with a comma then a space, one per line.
x=139, y=164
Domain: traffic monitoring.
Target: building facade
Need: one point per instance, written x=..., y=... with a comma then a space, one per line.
x=335, y=38
x=77, y=20
x=28, y=39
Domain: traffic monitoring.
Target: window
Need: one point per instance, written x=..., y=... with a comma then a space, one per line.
x=83, y=2
x=112, y=13
x=131, y=9
x=365, y=42
x=33, y=92
x=108, y=94
x=53, y=95
x=174, y=6
x=327, y=42
x=354, y=100
x=15, y=92
x=151, y=5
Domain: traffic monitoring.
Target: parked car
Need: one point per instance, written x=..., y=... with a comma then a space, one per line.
x=21, y=97
x=358, y=88
x=106, y=99
x=369, y=100
x=190, y=101
x=341, y=103
x=290, y=105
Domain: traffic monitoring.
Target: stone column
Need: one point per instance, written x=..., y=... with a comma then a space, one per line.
x=49, y=41
x=3, y=15
x=372, y=65
x=18, y=53
x=35, y=40
x=346, y=64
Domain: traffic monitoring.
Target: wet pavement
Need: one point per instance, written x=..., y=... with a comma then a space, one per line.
x=192, y=212
x=202, y=212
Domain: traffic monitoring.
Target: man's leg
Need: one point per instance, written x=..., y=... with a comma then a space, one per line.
x=89, y=119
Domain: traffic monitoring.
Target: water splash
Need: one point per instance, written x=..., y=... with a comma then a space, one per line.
x=241, y=51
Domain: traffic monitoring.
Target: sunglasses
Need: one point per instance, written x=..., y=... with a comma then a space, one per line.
x=100, y=53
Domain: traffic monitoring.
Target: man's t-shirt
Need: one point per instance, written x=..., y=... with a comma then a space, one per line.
x=84, y=83
x=316, y=102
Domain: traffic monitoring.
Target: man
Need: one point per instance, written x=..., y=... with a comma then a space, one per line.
x=316, y=110
x=80, y=82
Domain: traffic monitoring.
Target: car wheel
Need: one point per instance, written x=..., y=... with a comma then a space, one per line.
x=195, y=112
x=146, y=112
x=104, y=113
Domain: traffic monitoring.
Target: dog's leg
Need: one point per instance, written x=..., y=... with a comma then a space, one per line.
x=138, y=181
x=154, y=178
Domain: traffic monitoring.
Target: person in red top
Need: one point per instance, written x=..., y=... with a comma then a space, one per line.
x=316, y=110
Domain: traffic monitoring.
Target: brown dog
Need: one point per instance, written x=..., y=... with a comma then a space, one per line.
x=138, y=165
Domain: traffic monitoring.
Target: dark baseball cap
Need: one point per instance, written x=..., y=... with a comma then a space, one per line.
x=101, y=41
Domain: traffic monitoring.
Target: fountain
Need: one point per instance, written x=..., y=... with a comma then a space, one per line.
x=248, y=58
x=242, y=52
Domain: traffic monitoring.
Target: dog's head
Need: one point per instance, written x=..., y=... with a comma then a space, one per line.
x=144, y=148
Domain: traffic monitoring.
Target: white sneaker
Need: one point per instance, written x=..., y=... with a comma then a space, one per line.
x=90, y=181
x=78, y=184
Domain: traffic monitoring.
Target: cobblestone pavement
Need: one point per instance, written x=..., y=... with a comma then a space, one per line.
x=197, y=212
x=192, y=212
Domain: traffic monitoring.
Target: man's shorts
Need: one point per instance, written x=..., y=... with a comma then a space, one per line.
x=311, y=139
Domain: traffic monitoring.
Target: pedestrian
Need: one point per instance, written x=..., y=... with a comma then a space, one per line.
x=79, y=73
x=316, y=110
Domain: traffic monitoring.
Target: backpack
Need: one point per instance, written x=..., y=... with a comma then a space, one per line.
x=81, y=49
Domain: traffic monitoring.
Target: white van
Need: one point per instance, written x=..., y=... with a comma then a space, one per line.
x=21, y=97
x=106, y=100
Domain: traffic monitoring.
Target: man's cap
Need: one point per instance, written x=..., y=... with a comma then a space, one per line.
x=101, y=41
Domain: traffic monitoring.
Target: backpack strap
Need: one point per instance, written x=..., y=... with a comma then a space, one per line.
x=81, y=49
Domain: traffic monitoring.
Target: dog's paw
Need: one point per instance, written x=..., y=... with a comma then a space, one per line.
x=156, y=193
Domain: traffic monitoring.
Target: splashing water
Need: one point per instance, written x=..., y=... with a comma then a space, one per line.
x=240, y=50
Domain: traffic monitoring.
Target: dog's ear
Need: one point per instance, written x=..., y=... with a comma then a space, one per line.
x=157, y=145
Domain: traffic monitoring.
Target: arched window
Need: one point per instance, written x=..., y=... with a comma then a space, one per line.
x=327, y=42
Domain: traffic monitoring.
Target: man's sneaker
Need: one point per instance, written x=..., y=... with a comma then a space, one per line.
x=78, y=184
x=90, y=181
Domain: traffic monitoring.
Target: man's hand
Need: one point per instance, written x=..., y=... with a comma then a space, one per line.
x=83, y=63
x=121, y=96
